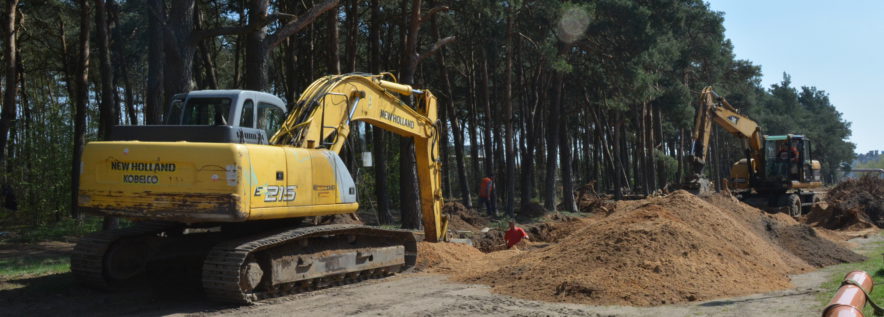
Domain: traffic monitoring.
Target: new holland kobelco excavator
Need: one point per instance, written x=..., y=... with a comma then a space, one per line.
x=778, y=171
x=210, y=184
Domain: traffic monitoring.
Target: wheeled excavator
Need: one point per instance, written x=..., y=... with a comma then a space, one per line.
x=778, y=171
x=231, y=180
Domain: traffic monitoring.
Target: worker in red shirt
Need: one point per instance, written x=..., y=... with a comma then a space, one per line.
x=514, y=235
x=486, y=195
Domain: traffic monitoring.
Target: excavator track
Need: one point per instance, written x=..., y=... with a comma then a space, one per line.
x=88, y=261
x=226, y=268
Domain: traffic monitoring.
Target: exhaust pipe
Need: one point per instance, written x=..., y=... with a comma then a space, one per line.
x=850, y=299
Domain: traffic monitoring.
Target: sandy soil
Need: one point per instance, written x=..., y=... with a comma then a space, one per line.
x=408, y=294
x=434, y=295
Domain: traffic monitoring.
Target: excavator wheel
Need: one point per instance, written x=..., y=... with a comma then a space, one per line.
x=793, y=203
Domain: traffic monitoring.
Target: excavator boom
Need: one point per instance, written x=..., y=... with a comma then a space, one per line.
x=714, y=108
x=329, y=106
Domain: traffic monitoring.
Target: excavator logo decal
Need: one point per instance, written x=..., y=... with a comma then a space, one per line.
x=397, y=119
x=277, y=193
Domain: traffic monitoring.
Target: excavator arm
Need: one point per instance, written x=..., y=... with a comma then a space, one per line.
x=327, y=108
x=714, y=108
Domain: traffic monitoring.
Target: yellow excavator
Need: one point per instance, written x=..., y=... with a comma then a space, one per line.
x=210, y=184
x=778, y=171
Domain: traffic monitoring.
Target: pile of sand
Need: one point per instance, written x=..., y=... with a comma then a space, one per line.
x=854, y=204
x=655, y=251
x=460, y=218
x=444, y=257
x=817, y=248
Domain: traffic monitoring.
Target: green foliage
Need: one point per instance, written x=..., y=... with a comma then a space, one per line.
x=66, y=229
x=25, y=265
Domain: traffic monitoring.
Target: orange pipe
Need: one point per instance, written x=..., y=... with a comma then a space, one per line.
x=850, y=300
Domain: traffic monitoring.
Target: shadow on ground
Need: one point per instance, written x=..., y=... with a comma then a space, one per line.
x=60, y=294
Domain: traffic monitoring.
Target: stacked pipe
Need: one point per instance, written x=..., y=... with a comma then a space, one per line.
x=850, y=299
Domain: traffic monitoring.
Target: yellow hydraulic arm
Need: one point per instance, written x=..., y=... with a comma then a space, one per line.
x=325, y=110
x=714, y=108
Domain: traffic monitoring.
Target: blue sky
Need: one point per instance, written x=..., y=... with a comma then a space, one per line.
x=837, y=46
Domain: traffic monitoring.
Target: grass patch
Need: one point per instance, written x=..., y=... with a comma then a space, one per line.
x=14, y=267
x=67, y=229
x=874, y=266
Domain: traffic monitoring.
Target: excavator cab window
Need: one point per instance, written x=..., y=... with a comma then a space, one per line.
x=206, y=111
x=270, y=118
x=776, y=159
x=175, y=109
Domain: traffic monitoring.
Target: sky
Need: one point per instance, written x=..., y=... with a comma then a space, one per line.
x=837, y=46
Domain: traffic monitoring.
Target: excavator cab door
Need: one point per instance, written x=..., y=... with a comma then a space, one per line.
x=807, y=174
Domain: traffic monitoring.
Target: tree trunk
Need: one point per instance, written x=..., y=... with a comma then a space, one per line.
x=8, y=113
x=257, y=53
x=333, y=64
x=79, y=75
x=107, y=107
x=259, y=43
x=120, y=59
x=379, y=135
x=618, y=158
x=567, y=177
x=153, y=104
x=552, y=141
x=408, y=189
x=180, y=48
x=508, y=119
x=489, y=125
x=352, y=34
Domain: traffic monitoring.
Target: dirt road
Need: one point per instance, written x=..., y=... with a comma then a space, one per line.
x=433, y=295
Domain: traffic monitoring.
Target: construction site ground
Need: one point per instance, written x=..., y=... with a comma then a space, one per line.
x=679, y=255
x=411, y=294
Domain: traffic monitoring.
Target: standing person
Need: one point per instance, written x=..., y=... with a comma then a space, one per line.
x=486, y=195
x=514, y=235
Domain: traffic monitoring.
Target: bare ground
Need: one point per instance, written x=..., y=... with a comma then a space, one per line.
x=405, y=294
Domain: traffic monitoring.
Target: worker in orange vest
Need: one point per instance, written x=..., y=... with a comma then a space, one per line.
x=486, y=195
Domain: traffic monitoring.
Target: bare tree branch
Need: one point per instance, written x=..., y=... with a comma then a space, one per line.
x=296, y=25
x=436, y=47
x=199, y=35
x=429, y=15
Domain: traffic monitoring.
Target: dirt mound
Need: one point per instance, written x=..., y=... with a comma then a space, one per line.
x=660, y=250
x=666, y=250
x=463, y=219
x=798, y=243
x=444, y=257
x=854, y=204
x=555, y=230
x=588, y=200
x=531, y=210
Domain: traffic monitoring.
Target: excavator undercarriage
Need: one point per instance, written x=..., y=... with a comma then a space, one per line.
x=244, y=267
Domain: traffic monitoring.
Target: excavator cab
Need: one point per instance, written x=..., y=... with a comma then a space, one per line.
x=787, y=159
x=213, y=116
